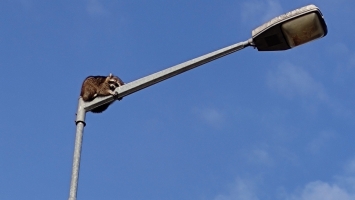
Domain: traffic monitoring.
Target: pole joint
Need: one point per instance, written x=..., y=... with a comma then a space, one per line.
x=77, y=122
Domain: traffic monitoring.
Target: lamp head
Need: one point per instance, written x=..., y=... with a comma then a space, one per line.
x=290, y=30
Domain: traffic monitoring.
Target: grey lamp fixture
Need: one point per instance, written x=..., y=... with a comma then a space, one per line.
x=284, y=32
x=290, y=30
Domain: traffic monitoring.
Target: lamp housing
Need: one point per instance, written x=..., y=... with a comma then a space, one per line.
x=290, y=30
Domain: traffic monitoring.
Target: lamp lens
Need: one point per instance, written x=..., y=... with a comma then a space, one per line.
x=302, y=29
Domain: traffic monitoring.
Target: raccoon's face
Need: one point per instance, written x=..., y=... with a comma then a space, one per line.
x=113, y=86
x=114, y=82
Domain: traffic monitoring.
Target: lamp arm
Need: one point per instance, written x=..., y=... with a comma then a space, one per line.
x=162, y=75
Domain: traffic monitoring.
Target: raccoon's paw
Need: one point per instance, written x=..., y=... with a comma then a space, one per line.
x=112, y=92
x=115, y=95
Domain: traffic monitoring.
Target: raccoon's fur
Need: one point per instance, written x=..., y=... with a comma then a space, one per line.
x=94, y=86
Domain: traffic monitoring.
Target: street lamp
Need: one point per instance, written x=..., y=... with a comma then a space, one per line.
x=281, y=33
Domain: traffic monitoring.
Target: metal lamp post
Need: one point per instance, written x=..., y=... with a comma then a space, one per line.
x=281, y=33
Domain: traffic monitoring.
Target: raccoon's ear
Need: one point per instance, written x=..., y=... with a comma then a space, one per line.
x=110, y=75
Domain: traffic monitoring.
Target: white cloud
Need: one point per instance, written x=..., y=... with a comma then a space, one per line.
x=260, y=11
x=211, y=116
x=240, y=190
x=259, y=156
x=293, y=81
x=342, y=188
x=320, y=142
x=352, y=61
x=338, y=49
x=319, y=190
x=345, y=62
x=27, y=4
x=350, y=167
x=94, y=7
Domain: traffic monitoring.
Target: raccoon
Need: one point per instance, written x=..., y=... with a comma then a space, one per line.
x=94, y=86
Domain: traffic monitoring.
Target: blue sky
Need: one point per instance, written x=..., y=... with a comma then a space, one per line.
x=249, y=126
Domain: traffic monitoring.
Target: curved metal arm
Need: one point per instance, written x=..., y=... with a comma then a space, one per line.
x=157, y=77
